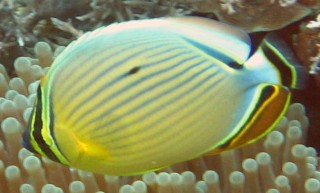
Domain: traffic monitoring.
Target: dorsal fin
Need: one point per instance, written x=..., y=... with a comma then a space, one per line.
x=293, y=75
x=256, y=39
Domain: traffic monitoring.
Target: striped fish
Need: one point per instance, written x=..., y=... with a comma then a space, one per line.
x=141, y=95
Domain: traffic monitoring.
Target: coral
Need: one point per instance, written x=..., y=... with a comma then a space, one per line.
x=315, y=66
x=277, y=163
x=307, y=46
x=253, y=16
x=25, y=22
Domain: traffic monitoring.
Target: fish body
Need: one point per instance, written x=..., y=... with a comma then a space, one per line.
x=141, y=95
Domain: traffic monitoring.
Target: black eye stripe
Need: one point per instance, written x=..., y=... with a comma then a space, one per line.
x=39, y=126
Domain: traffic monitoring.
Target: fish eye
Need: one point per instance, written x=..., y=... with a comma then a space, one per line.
x=134, y=70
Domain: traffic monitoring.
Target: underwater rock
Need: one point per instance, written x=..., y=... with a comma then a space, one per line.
x=307, y=46
x=252, y=15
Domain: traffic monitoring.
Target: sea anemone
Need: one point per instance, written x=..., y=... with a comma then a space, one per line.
x=277, y=163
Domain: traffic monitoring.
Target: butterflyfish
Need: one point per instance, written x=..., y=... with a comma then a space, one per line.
x=138, y=96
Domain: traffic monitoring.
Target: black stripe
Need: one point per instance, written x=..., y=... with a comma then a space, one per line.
x=78, y=48
x=215, y=54
x=285, y=71
x=163, y=143
x=168, y=103
x=165, y=92
x=130, y=86
x=38, y=126
x=101, y=75
x=111, y=54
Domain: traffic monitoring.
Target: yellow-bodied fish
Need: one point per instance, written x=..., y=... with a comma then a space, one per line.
x=142, y=95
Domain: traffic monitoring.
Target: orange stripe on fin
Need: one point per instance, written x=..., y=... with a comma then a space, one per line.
x=270, y=106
